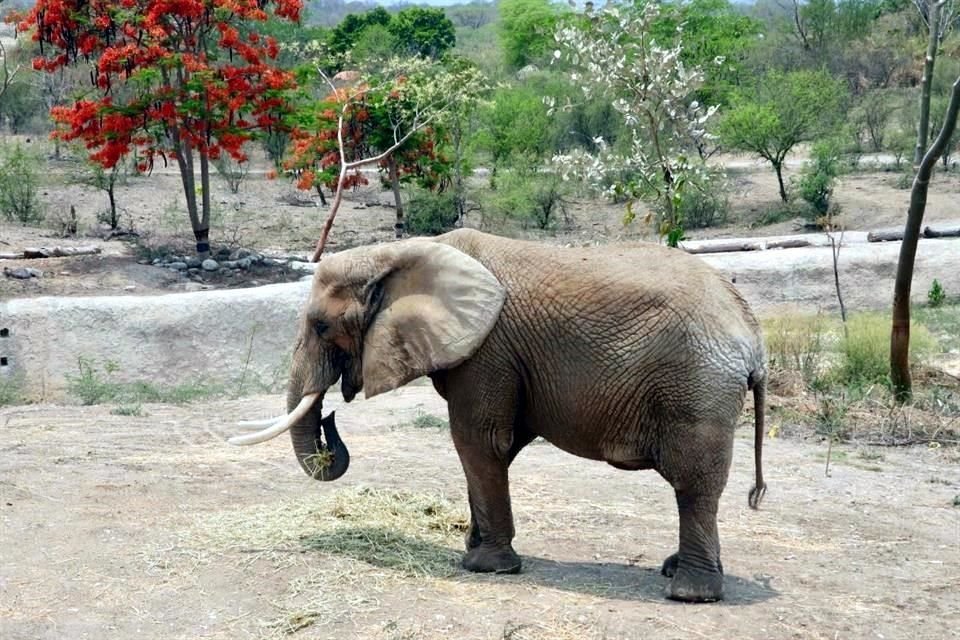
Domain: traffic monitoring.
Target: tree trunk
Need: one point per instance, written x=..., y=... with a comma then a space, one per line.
x=928, y=63
x=778, y=167
x=395, y=184
x=203, y=233
x=900, y=332
x=113, y=207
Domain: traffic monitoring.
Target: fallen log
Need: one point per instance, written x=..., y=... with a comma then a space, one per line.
x=58, y=252
x=728, y=247
x=791, y=243
x=930, y=232
x=884, y=236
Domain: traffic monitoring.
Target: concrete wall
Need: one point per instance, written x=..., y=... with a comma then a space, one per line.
x=167, y=340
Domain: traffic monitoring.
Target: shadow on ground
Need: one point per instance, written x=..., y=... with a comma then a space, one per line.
x=388, y=549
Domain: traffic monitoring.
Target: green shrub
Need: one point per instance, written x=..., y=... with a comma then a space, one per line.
x=865, y=351
x=430, y=421
x=818, y=176
x=19, y=185
x=905, y=180
x=95, y=386
x=89, y=386
x=429, y=213
x=704, y=208
x=533, y=199
x=936, y=294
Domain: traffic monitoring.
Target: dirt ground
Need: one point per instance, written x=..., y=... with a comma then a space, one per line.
x=261, y=217
x=153, y=527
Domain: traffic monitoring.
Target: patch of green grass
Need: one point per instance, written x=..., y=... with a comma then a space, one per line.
x=865, y=350
x=430, y=421
x=95, y=385
x=943, y=322
x=10, y=391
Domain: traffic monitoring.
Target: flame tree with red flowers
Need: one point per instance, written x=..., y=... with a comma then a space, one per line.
x=183, y=78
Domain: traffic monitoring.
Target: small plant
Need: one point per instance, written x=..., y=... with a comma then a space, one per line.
x=905, y=180
x=231, y=170
x=133, y=410
x=527, y=196
x=936, y=294
x=89, y=386
x=430, y=421
x=19, y=185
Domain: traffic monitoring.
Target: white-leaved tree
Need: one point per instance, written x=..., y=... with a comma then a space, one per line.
x=612, y=53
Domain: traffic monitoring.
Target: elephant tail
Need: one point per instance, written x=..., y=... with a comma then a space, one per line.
x=759, y=385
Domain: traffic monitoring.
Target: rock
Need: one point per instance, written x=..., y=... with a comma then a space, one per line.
x=256, y=257
x=274, y=262
x=194, y=262
x=210, y=265
x=22, y=273
x=130, y=287
x=223, y=252
x=240, y=254
x=177, y=266
x=194, y=286
x=193, y=270
x=310, y=267
x=156, y=261
x=225, y=272
x=245, y=263
x=229, y=264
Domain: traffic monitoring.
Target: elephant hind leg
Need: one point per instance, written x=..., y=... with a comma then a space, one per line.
x=698, y=468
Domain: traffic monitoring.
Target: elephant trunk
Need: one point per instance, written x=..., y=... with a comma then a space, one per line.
x=318, y=447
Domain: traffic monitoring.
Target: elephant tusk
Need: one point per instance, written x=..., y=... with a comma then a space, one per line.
x=281, y=425
x=252, y=425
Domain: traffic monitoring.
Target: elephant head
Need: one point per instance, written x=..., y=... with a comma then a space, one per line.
x=377, y=318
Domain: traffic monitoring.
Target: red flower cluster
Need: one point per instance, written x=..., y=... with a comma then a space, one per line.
x=187, y=72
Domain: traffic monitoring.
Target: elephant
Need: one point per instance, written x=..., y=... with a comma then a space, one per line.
x=638, y=355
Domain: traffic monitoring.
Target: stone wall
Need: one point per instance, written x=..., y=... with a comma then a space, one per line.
x=214, y=337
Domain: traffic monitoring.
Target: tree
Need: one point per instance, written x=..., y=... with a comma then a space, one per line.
x=196, y=80
x=407, y=98
x=936, y=29
x=424, y=32
x=784, y=110
x=526, y=29
x=612, y=54
x=900, y=331
x=713, y=30
x=345, y=35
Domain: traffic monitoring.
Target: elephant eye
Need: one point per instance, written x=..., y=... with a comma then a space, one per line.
x=320, y=327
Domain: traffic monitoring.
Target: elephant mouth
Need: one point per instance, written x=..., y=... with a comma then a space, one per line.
x=328, y=458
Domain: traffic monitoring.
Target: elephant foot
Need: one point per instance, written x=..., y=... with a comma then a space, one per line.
x=482, y=559
x=669, y=567
x=472, y=540
x=690, y=586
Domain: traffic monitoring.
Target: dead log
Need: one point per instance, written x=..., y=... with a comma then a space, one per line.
x=884, y=236
x=791, y=243
x=59, y=252
x=728, y=247
x=930, y=232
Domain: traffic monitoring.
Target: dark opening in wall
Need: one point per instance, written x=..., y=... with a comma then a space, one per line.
x=4, y=333
x=3, y=361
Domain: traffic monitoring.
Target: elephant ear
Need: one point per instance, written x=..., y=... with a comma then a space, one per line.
x=434, y=306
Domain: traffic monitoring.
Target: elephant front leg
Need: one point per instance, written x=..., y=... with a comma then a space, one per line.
x=695, y=570
x=489, y=548
x=521, y=438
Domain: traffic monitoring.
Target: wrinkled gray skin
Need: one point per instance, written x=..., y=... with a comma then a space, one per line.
x=638, y=355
